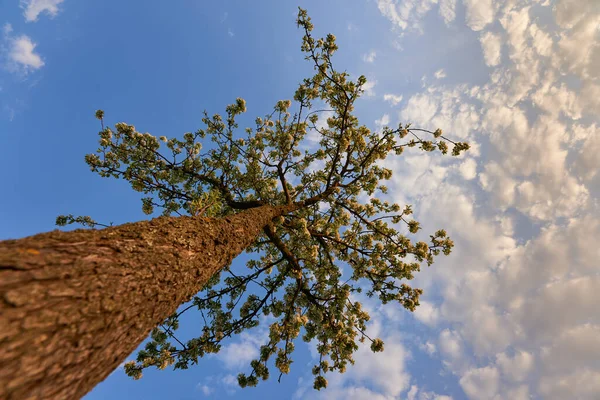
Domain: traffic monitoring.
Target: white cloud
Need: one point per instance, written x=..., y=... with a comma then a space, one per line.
x=427, y=313
x=230, y=380
x=468, y=169
x=389, y=9
x=513, y=334
x=438, y=108
x=479, y=13
x=33, y=8
x=22, y=56
x=452, y=348
x=211, y=383
x=10, y=111
x=420, y=107
x=206, y=390
x=370, y=56
x=580, y=384
x=368, y=88
x=557, y=100
x=415, y=393
x=239, y=354
x=584, y=296
x=405, y=14
x=7, y=29
x=575, y=348
x=429, y=347
x=440, y=73
x=381, y=376
x=587, y=163
x=352, y=393
x=511, y=313
x=230, y=384
x=392, y=98
x=534, y=154
x=412, y=393
x=578, y=45
x=408, y=14
x=590, y=96
x=515, y=23
x=492, y=48
x=481, y=383
x=517, y=367
x=384, y=374
x=542, y=41
x=520, y=392
x=383, y=121
x=447, y=10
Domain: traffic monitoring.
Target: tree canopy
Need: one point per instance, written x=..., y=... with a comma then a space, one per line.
x=308, y=265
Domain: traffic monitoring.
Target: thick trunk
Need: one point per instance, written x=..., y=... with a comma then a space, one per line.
x=73, y=305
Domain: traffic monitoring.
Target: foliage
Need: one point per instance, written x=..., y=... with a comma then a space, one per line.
x=308, y=263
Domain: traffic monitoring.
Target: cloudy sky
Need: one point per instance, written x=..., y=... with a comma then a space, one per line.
x=511, y=314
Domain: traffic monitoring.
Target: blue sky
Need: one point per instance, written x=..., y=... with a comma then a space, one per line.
x=510, y=314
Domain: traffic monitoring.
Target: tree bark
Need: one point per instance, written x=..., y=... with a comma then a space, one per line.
x=74, y=305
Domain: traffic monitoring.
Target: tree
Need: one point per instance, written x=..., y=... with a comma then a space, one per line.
x=76, y=304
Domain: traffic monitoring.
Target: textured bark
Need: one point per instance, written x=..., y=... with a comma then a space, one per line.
x=73, y=305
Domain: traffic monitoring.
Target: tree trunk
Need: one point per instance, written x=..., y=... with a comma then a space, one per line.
x=73, y=305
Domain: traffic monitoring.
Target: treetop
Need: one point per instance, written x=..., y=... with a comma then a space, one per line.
x=342, y=237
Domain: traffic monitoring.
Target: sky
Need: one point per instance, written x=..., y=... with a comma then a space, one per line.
x=510, y=314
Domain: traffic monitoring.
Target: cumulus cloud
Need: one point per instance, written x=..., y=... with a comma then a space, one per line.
x=481, y=383
x=588, y=159
x=451, y=347
x=416, y=393
x=427, y=313
x=229, y=383
x=447, y=10
x=541, y=40
x=468, y=169
x=369, y=88
x=479, y=13
x=21, y=55
x=7, y=29
x=492, y=46
x=512, y=314
x=237, y=355
x=429, y=348
x=393, y=99
x=440, y=73
x=517, y=367
x=370, y=56
x=406, y=14
x=380, y=376
x=210, y=384
x=557, y=100
x=205, y=389
x=578, y=45
x=420, y=107
x=33, y=8
x=383, y=121
x=581, y=384
x=371, y=378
